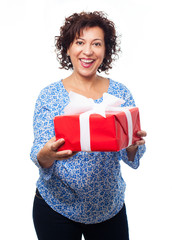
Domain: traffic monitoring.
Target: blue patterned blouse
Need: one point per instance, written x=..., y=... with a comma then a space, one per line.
x=88, y=187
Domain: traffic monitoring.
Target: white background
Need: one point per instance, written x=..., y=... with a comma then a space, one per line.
x=28, y=63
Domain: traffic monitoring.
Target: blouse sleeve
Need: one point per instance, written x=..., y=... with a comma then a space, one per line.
x=122, y=155
x=43, y=131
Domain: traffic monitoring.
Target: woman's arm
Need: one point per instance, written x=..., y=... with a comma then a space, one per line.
x=131, y=155
x=44, y=150
x=48, y=154
x=132, y=150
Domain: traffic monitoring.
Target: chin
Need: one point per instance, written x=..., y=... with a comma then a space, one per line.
x=87, y=74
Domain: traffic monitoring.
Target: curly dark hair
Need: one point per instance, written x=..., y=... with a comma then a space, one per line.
x=73, y=27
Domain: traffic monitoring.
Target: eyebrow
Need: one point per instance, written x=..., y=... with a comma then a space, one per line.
x=93, y=39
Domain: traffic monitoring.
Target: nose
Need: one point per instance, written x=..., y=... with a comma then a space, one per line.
x=88, y=50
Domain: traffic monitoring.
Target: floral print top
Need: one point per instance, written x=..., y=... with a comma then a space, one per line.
x=88, y=187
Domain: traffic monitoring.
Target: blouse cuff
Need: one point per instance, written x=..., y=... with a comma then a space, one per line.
x=134, y=164
x=45, y=173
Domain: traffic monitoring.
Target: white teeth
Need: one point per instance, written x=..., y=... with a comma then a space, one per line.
x=87, y=61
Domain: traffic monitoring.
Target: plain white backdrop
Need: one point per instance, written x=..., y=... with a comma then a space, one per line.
x=28, y=63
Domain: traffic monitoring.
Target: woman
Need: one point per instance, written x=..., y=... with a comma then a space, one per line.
x=81, y=193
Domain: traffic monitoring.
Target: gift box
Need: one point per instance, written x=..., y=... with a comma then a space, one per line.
x=98, y=128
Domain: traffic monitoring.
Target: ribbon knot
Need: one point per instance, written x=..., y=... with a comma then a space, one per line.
x=81, y=104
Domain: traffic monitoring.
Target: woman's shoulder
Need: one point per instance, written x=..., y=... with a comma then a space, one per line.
x=52, y=89
x=118, y=87
x=121, y=91
x=51, y=92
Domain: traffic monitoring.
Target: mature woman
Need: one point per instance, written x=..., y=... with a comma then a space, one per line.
x=81, y=193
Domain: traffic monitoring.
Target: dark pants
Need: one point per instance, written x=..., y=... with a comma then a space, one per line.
x=51, y=225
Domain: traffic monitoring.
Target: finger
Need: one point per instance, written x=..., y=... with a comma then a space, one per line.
x=141, y=133
x=141, y=142
x=55, y=145
x=64, y=154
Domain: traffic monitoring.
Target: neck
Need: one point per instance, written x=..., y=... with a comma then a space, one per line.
x=84, y=82
x=93, y=87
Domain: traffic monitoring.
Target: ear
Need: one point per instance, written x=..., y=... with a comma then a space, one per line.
x=68, y=53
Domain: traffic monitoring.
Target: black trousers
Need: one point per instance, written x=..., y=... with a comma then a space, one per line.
x=50, y=225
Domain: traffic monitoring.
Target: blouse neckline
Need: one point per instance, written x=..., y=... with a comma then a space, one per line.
x=95, y=100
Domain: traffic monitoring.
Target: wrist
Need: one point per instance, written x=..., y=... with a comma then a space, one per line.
x=131, y=152
x=43, y=162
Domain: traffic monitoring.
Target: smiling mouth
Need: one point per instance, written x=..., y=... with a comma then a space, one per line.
x=87, y=60
x=86, y=63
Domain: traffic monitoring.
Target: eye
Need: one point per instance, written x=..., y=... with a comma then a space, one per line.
x=97, y=44
x=79, y=43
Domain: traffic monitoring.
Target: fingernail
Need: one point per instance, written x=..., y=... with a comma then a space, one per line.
x=61, y=139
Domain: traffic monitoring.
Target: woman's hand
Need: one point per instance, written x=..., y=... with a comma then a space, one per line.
x=48, y=154
x=131, y=150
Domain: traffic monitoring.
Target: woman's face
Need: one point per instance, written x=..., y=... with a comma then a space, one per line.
x=87, y=51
